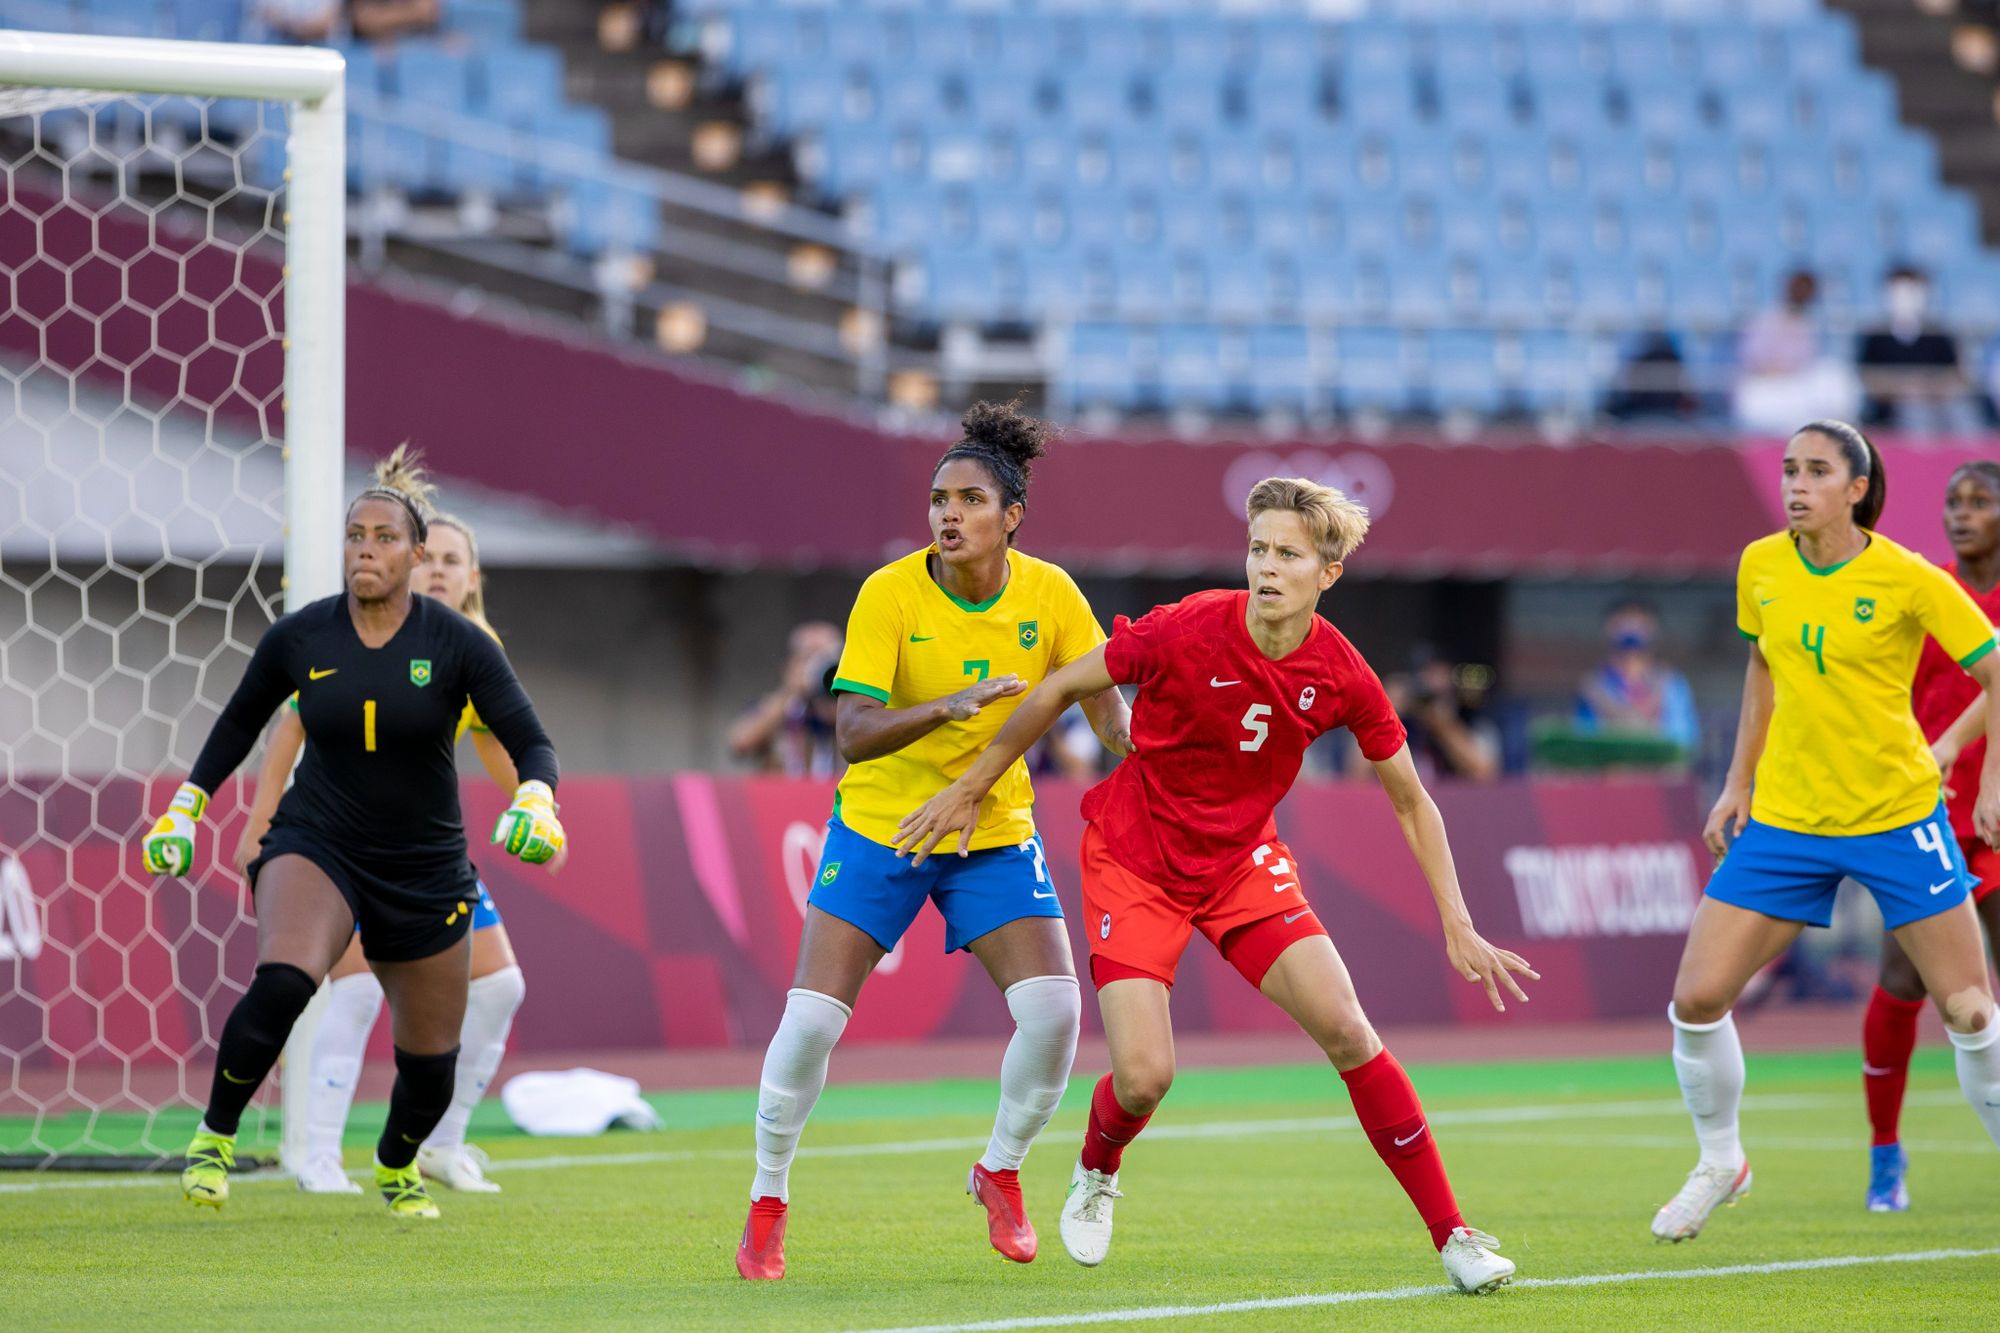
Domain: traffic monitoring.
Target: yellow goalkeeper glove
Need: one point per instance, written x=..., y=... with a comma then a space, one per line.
x=529, y=828
x=169, y=848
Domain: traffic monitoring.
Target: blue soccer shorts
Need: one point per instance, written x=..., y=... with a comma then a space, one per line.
x=868, y=886
x=1914, y=871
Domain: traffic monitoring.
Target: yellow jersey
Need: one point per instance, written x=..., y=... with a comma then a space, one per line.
x=1845, y=756
x=909, y=641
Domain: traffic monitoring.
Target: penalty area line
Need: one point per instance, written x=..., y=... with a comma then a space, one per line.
x=1151, y=1312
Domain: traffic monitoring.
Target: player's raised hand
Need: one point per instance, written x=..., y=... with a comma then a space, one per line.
x=968, y=701
x=168, y=849
x=953, y=810
x=1730, y=813
x=529, y=828
x=1476, y=960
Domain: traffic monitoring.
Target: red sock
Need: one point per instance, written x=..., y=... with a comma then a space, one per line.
x=1888, y=1035
x=1111, y=1128
x=1393, y=1118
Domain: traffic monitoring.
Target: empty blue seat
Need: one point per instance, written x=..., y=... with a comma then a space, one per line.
x=1191, y=367
x=1464, y=375
x=1280, y=373
x=481, y=21
x=1940, y=228
x=1823, y=49
x=611, y=214
x=967, y=285
x=1556, y=374
x=520, y=83
x=1861, y=105
x=208, y=20
x=1371, y=371
x=1101, y=366
x=432, y=75
x=1419, y=291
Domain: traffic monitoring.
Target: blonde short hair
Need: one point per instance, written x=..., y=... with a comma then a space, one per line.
x=1337, y=524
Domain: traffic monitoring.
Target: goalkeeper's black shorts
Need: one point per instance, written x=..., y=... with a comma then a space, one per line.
x=404, y=911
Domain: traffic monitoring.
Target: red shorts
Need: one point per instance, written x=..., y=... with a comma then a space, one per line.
x=1137, y=929
x=1984, y=863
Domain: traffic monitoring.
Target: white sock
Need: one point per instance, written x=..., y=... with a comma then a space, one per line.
x=794, y=1073
x=1047, y=1012
x=334, y=1067
x=1977, y=1055
x=1708, y=1059
x=490, y=1002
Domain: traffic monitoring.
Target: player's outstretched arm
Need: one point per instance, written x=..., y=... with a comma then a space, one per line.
x=281, y=751
x=1732, y=808
x=1423, y=828
x=1986, y=811
x=1111, y=718
x=865, y=728
x=955, y=810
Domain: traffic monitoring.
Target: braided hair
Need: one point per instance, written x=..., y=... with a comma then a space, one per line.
x=402, y=479
x=1006, y=443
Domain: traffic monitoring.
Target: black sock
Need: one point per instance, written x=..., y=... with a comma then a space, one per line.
x=421, y=1097
x=252, y=1038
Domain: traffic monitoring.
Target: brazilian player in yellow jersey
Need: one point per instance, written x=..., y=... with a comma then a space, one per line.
x=1844, y=786
x=940, y=646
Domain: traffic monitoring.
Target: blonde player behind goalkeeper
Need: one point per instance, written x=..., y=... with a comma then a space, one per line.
x=451, y=573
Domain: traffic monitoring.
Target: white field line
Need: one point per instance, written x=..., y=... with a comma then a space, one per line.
x=1151, y=1312
x=1213, y=1129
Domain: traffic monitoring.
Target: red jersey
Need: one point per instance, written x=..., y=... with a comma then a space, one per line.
x=1940, y=692
x=1220, y=731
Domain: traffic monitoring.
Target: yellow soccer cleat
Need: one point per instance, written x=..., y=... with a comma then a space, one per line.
x=205, y=1180
x=403, y=1190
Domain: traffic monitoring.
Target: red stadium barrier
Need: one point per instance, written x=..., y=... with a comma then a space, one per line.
x=676, y=921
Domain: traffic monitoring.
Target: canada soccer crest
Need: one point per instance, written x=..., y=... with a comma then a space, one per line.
x=1864, y=609
x=1031, y=632
x=420, y=671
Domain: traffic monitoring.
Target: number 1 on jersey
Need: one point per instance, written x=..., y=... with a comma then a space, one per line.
x=368, y=725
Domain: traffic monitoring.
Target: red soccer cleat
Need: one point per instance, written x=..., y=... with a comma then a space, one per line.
x=1007, y=1224
x=761, y=1256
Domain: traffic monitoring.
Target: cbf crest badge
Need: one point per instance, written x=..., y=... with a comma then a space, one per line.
x=420, y=671
x=1031, y=633
x=1864, y=609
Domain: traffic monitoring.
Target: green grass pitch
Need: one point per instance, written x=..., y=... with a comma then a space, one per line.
x=1251, y=1186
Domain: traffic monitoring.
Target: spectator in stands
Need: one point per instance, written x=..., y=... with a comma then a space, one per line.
x=1632, y=690
x=315, y=22
x=790, y=730
x=1443, y=708
x=1785, y=375
x=1652, y=383
x=1909, y=370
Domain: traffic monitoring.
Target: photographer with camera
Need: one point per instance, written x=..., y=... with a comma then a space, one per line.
x=790, y=730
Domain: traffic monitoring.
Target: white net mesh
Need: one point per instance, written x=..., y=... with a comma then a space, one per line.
x=141, y=524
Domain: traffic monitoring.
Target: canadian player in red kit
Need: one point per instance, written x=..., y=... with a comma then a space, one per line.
x=1947, y=702
x=1233, y=686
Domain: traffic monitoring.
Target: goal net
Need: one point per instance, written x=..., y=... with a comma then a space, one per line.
x=171, y=250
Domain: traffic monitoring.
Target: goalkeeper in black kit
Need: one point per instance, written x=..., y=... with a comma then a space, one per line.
x=369, y=835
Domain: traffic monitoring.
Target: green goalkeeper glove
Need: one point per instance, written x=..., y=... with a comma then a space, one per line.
x=528, y=828
x=169, y=848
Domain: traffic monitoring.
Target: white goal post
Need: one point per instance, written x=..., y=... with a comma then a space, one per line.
x=81, y=443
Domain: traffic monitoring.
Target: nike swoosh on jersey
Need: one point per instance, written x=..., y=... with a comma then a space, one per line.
x=1400, y=1143
x=1765, y=601
x=1218, y=684
x=1940, y=888
x=1874, y=1071
x=320, y=675
x=1296, y=915
x=922, y=638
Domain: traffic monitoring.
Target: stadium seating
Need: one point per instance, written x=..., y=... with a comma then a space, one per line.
x=1419, y=187
x=473, y=110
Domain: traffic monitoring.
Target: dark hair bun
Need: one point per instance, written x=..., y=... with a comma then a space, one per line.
x=1003, y=428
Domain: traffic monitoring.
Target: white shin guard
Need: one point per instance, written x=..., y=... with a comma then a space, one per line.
x=794, y=1073
x=1047, y=1013
x=1708, y=1060
x=334, y=1066
x=1977, y=1055
x=490, y=1004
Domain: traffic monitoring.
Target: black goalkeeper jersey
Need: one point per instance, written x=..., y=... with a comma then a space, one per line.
x=379, y=777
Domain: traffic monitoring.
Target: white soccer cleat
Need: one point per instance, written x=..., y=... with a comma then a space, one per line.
x=322, y=1174
x=1086, y=1215
x=462, y=1167
x=1708, y=1188
x=1471, y=1263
